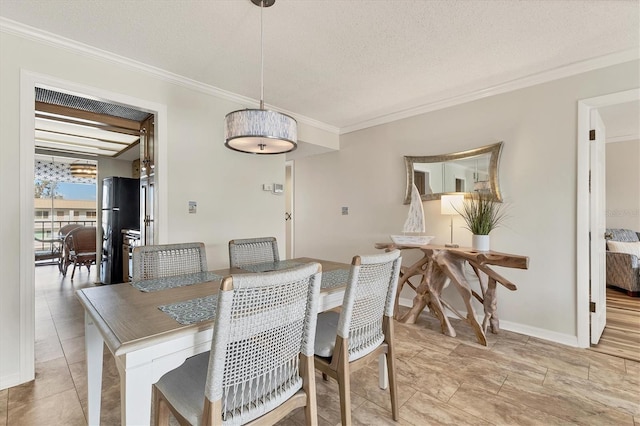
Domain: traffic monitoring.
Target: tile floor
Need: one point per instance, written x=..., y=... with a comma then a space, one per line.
x=516, y=380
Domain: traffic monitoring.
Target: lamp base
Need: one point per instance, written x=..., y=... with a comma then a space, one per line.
x=452, y=245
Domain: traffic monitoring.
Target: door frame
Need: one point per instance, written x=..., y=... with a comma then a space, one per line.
x=290, y=194
x=29, y=80
x=583, y=212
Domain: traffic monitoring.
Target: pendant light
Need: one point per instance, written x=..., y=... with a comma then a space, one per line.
x=260, y=131
x=83, y=170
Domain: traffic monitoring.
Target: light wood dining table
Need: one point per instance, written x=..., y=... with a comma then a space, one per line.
x=147, y=343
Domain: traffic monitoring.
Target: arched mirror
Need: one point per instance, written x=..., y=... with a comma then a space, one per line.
x=473, y=171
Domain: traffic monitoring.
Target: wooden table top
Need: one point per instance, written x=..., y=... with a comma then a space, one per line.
x=129, y=318
x=483, y=257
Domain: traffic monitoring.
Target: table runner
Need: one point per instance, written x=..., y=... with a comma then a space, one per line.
x=204, y=308
x=271, y=266
x=165, y=283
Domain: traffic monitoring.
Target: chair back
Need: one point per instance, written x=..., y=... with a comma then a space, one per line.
x=64, y=231
x=250, y=251
x=164, y=260
x=369, y=296
x=264, y=323
x=81, y=241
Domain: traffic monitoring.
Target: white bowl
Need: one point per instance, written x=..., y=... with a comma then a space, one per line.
x=412, y=240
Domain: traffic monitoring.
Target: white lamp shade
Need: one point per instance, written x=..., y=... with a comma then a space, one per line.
x=260, y=131
x=450, y=203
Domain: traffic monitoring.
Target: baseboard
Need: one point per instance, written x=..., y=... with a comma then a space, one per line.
x=540, y=333
x=9, y=381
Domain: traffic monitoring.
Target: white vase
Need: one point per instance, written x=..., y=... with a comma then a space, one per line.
x=480, y=242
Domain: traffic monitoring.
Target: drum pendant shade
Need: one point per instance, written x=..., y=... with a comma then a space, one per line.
x=260, y=131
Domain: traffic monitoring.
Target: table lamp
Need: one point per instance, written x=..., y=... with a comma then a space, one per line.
x=451, y=205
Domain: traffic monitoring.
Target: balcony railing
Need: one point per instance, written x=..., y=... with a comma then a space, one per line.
x=47, y=229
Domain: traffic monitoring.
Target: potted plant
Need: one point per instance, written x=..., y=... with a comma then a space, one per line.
x=482, y=214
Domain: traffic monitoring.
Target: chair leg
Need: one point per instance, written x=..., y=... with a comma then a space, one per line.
x=74, y=270
x=388, y=327
x=162, y=412
x=344, y=388
x=309, y=386
x=393, y=386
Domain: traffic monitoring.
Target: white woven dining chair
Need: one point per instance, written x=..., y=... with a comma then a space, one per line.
x=346, y=341
x=150, y=262
x=249, y=251
x=260, y=366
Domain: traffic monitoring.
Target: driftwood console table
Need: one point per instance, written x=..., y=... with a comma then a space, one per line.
x=440, y=263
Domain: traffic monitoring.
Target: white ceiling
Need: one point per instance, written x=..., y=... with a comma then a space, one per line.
x=346, y=63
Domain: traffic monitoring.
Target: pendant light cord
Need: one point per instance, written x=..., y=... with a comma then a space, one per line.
x=261, y=58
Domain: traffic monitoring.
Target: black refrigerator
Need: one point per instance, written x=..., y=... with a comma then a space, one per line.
x=120, y=210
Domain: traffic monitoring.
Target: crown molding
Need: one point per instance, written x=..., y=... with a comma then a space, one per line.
x=623, y=138
x=520, y=83
x=9, y=26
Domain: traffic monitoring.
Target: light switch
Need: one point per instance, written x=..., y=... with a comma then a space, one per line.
x=345, y=211
x=193, y=206
x=267, y=187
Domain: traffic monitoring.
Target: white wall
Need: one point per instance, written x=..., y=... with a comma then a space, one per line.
x=623, y=185
x=226, y=184
x=537, y=174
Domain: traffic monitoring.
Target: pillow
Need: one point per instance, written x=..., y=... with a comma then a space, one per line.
x=624, y=247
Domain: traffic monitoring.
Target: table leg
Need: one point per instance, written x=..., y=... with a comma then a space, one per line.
x=136, y=386
x=94, y=347
x=453, y=267
x=406, y=273
x=491, y=308
x=383, y=375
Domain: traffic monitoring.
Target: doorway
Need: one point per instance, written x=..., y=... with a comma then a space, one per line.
x=586, y=212
x=29, y=82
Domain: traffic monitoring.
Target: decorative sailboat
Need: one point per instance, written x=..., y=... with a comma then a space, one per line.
x=413, y=232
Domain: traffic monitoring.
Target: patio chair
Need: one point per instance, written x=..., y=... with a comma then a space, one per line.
x=348, y=340
x=164, y=260
x=63, y=261
x=250, y=251
x=260, y=366
x=81, y=245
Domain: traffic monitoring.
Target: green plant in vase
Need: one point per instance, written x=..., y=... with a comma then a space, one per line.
x=482, y=214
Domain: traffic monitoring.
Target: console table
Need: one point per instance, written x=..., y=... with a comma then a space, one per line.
x=440, y=263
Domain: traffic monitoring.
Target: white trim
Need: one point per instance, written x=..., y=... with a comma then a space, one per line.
x=12, y=27
x=27, y=272
x=624, y=138
x=451, y=99
x=28, y=81
x=540, y=333
x=582, y=205
x=9, y=381
x=520, y=83
x=292, y=235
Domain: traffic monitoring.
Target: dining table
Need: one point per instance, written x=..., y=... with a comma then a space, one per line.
x=152, y=326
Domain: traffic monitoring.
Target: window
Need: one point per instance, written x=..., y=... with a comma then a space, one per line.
x=76, y=213
x=42, y=214
x=60, y=213
x=91, y=214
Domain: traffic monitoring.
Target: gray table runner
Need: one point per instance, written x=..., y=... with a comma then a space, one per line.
x=204, y=308
x=175, y=281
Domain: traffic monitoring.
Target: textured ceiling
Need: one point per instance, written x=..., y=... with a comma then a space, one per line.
x=345, y=62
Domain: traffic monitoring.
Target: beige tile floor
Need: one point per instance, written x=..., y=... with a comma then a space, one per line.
x=516, y=380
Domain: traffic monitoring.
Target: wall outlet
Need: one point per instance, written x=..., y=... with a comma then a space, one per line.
x=193, y=207
x=267, y=187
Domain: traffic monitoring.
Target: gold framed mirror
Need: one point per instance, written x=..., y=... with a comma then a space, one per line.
x=473, y=171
